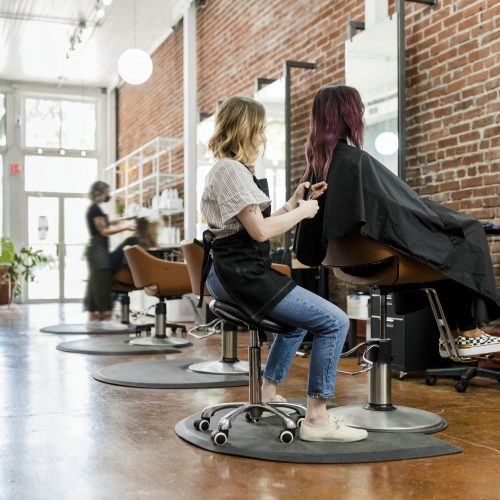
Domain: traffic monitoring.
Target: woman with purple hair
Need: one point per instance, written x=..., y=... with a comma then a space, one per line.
x=364, y=196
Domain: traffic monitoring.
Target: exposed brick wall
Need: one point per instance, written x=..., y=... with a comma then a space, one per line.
x=452, y=85
x=453, y=104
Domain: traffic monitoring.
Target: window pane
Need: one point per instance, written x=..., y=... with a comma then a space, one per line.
x=43, y=123
x=3, y=140
x=78, y=125
x=74, y=216
x=75, y=271
x=56, y=174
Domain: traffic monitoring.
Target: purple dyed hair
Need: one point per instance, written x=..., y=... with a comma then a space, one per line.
x=337, y=112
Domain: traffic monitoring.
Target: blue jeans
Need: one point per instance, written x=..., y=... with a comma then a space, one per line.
x=307, y=312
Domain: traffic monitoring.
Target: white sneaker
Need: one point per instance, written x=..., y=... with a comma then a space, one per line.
x=109, y=325
x=335, y=430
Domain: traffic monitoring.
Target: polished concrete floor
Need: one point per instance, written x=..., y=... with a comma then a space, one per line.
x=65, y=436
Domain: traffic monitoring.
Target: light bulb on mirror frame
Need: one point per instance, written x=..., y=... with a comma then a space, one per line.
x=386, y=143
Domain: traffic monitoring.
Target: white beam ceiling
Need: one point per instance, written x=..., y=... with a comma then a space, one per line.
x=35, y=37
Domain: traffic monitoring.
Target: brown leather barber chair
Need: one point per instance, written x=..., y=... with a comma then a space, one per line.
x=166, y=280
x=358, y=260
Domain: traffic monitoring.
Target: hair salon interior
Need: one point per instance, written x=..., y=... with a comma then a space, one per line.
x=108, y=114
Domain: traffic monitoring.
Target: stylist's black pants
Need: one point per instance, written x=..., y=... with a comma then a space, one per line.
x=98, y=297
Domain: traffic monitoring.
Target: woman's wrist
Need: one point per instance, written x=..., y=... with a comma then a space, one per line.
x=287, y=207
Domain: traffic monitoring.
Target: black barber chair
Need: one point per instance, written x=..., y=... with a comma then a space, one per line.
x=358, y=260
x=254, y=407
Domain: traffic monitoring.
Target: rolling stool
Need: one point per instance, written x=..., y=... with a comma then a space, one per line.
x=254, y=407
x=359, y=260
x=165, y=280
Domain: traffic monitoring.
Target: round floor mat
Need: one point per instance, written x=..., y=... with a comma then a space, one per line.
x=260, y=441
x=115, y=345
x=80, y=329
x=165, y=374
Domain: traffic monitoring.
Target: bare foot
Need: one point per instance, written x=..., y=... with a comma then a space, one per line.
x=269, y=390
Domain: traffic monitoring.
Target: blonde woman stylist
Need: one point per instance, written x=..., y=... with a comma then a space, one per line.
x=237, y=211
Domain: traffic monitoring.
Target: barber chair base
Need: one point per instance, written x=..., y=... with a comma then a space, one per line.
x=165, y=374
x=401, y=419
x=117, y=345
x=160, y=341
x=220, y=367
x=81, y=329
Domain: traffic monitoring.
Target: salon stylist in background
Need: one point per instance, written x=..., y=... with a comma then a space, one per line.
x=98, y=300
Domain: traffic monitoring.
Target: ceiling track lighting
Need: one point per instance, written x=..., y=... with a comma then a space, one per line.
x=100, y=7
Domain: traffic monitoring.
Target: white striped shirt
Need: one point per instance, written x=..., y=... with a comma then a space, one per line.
x=229, y=188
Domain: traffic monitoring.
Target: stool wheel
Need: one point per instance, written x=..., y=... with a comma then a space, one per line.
x=461, y=387
x=430, y=380
x=202, y=424
x=299, y=422
x=287, y=436
x=219, y=437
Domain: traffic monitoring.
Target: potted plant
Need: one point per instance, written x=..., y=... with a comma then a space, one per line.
x=16, y=267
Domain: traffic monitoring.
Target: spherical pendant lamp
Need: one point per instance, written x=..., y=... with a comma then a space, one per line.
x=135, y=66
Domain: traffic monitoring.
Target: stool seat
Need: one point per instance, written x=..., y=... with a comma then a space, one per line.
x=234, y=314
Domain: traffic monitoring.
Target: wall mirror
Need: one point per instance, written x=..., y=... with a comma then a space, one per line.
x=204, y=162
x=372, y=67
x=271, y=161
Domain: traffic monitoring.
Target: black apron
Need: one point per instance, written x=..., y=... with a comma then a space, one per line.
x=243, y=267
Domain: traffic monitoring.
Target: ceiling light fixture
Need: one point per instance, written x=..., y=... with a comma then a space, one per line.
x=135, y=65
x=77, y=39
x=107, y=3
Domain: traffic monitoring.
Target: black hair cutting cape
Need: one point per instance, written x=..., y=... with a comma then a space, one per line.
x=363, y=195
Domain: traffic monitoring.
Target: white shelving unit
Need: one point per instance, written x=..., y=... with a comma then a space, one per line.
x=140, y=176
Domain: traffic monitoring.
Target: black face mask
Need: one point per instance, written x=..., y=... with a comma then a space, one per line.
x=107, y=198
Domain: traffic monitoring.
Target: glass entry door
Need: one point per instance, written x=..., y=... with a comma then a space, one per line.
x=56, y=225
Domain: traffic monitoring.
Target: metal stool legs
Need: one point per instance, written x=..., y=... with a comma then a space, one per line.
x=379, y=414
x=254, y=407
